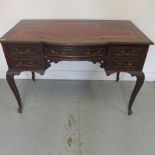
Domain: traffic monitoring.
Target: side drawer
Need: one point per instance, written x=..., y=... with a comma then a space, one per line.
x=122, y=64
x=126, y=57
x=127, y=51
x=24, y=56
x=24, y=50
x=27, y=63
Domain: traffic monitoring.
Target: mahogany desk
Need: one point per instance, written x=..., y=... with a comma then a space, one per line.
x=32, y=45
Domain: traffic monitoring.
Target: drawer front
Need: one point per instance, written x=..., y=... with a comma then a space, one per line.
x=27, y=63
x=126, y=57
x=76, y=51
x=127, y=51
x=124, y=64
x=24, y=50
x=24, y=56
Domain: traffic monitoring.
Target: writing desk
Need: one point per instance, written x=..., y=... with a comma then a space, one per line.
x=118, y=45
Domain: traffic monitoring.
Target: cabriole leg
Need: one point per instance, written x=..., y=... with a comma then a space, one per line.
x=140, y=80
x=10, y=79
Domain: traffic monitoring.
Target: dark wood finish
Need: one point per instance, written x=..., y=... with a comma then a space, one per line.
x=117, y=76
x=10, y=79
x=140, y=80
x=32, y=45
x=33, y=76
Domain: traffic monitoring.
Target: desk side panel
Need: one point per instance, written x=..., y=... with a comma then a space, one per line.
x=126, y=57
x=24, y=56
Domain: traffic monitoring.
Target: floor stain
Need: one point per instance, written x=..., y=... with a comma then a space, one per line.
x=72, y=122
x=72, y=130
x=70, y=141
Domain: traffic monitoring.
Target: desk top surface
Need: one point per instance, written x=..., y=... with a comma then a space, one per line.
x=76, y=32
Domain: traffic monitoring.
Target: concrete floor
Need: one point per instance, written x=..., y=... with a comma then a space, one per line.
x=77, y=118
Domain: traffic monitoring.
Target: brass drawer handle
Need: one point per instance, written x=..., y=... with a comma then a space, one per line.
x=129, y=64
x=20, y=62
x=95, y=53
x=125, y=64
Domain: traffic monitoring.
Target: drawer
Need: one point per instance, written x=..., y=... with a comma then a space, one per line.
x=127, y=51
x=26, y=50
x=76, y=51
x=24, y=63
x=124, y=64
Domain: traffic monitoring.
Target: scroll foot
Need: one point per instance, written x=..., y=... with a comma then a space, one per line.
x=20, y=110
x=130, y=112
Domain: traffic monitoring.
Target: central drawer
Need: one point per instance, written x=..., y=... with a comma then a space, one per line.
x=75, y=51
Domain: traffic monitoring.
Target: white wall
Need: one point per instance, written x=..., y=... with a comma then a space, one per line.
x=141, y=12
